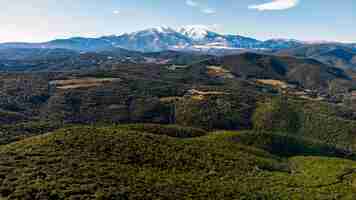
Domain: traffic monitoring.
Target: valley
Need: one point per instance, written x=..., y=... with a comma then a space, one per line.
x=254, y=120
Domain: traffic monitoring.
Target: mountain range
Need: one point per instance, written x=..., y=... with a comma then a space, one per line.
x=153, y=115
x=189, y=38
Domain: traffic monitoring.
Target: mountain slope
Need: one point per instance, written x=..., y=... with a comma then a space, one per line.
x=116, y=163
x=154, y=39
x=277, y=44
x=336, y=55
x=76, y=43
x=35, y=54
x=196, y=33
x=50, y=59
x=307, y=73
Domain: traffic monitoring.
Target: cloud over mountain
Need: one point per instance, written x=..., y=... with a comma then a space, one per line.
x=275, y=5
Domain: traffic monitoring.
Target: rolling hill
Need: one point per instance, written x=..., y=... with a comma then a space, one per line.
x=308, y=73
x=336, y=55
x=119, y=163
x=119, y=124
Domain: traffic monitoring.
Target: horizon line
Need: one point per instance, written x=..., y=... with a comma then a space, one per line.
x=316, y=41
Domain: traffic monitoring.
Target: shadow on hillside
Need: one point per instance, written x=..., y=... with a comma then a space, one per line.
x=285, y=145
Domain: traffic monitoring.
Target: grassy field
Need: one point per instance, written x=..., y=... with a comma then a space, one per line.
x=147, y=162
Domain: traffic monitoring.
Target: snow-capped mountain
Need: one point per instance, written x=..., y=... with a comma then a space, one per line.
x=195, y=32
x=205, y=37
x=153, y=39
x=190, y=38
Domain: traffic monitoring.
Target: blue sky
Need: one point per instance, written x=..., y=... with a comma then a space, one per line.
x=42, y=20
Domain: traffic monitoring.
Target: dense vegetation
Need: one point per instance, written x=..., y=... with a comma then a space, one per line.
x=321, y=123
x=277, y=115
x=115, y=163
x=174, y=125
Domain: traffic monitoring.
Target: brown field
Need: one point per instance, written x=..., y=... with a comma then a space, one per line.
x=219, y=72
x=273, y=82
x=81, y=83
x=201, y=95
x=198, y=92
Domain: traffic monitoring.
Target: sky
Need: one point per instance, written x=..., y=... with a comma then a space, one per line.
x=308, y=20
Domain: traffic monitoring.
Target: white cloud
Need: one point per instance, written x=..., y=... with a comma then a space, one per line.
x=191, y=3
x=275, y=5
x=116, y=12
x=208, y=11
x=203, y=8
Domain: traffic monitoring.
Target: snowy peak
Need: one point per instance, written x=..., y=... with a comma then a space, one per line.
x=154, y=31
x=153, y=39
x=195, y=32
x=162, y=29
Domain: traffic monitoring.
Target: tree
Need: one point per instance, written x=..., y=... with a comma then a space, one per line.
x=209, y=113
x=276, y=115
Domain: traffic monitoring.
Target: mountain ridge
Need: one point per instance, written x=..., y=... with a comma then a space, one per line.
x=190, y=38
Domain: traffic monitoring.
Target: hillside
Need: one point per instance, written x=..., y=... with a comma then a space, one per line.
x=336, y=55
x=177, y=100
x=128, y=125
x=116, y=163
x=307, y=73
x=47, y=59
x=100, y=87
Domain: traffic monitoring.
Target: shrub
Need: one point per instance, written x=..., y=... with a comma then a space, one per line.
x=210, y=113
x=169, y=130
x=276, y=115
x=330, y=130
x=290, y=145
x=14, y=132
